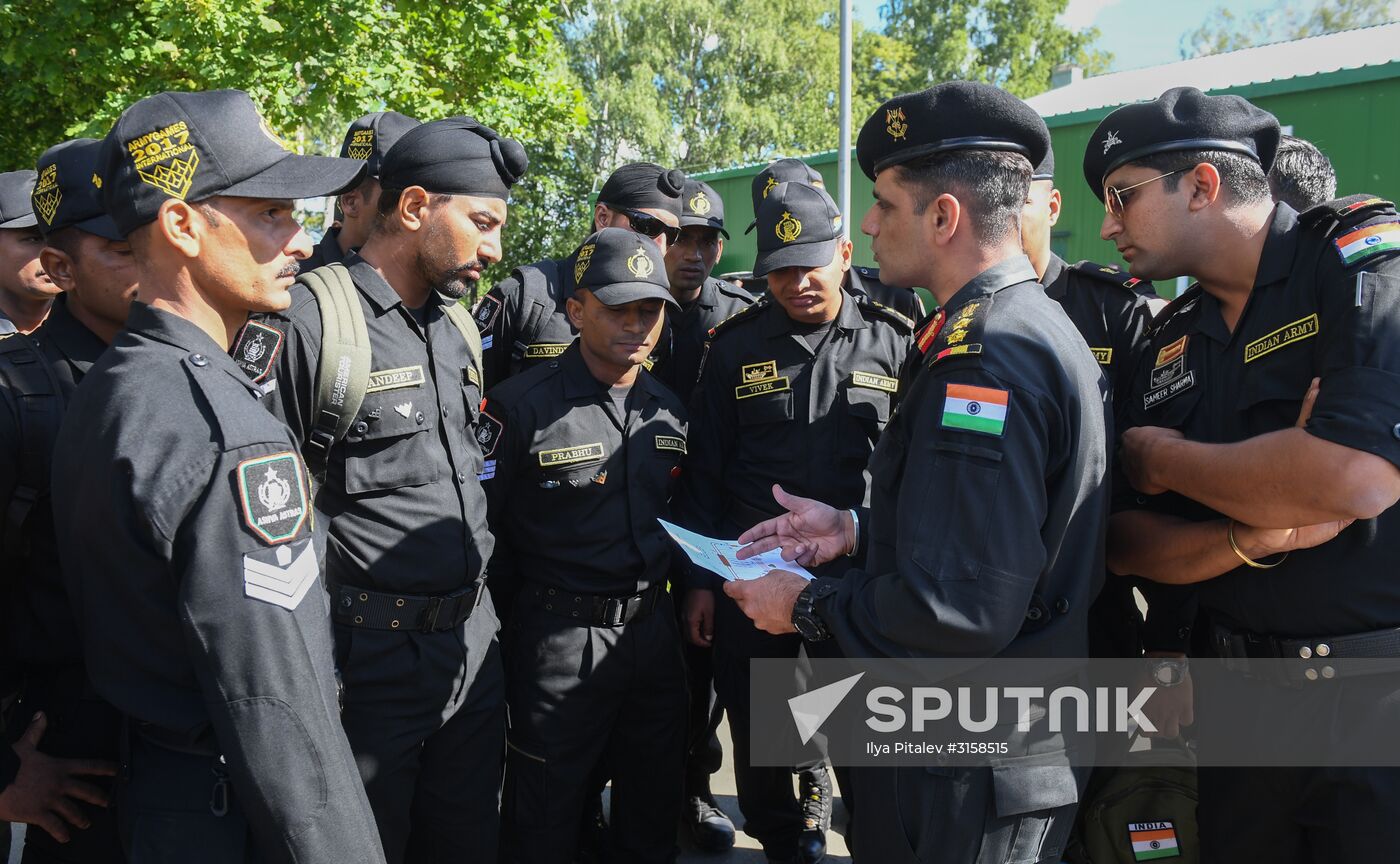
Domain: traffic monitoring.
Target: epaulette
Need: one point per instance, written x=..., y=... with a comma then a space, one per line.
x=1341, y=212
x=956, y=332
x=1358, y=227
x=865, y=302
x=868, y=272
x=745, y=314
x=1111, y=275
x=1184, y=301
x=729, y=289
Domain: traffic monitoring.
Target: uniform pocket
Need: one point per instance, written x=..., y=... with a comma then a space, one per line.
x=769, y=408
x=964, y=482
x=390, y=453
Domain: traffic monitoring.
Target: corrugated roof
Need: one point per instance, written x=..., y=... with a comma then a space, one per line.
x=1349, y=49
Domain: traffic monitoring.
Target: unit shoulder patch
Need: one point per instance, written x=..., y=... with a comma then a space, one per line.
x=487, y=308
x=272, y=492
x=1377, y=236
x=975, y=409
x=256, y=349
x=488, y=431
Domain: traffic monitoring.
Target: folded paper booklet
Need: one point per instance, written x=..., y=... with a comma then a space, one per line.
x=722, y=556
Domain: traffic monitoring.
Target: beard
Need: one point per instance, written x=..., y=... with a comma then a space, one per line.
x=456, y=282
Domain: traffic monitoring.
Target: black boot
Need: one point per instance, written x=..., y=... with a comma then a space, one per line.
x=710, y=829
x=814, y=788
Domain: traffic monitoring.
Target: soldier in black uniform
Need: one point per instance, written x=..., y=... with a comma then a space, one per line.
x=90, y=261
x=25, y=289
x=795, y=390
x=415, y=627
x=704, y=302
x=215, y=640
x=582, y=454
x=523, y=319
x=1009, y=398
x=863, y=280
x=1241, y=463
x=368, y=138
x=1111, y=310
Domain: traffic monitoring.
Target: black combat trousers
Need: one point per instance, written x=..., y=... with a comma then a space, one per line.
x=586, y=702
x=425, y=717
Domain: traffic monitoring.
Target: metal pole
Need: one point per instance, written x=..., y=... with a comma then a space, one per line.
x=844, y=161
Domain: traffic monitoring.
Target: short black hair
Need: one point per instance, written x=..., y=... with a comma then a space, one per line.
x=993, y=183
x=1302, y=175
x=1241, y=176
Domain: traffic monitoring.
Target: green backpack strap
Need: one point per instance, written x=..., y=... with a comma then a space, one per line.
x=462, y=319
x=343, y=375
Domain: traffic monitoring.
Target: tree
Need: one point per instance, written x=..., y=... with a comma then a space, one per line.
x=1224, y=30
x=1014, y=44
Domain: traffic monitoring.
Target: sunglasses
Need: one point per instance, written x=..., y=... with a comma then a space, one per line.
x=649, y=226
x=1115, y=200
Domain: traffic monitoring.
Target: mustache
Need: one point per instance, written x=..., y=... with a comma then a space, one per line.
x=290, y=271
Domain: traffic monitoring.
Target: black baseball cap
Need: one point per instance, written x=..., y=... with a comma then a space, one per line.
x=786, y=170
x=193, y=146
x=68, y=192
x=371, y=136
x=644, y=184
x=798, y=226
x=454, y=156
x=957, y=115
x=701, y=205
x=1183, y=118
x=620, y=266
x=15, y=208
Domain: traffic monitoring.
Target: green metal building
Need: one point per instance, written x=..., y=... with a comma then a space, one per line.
x=1340, y=91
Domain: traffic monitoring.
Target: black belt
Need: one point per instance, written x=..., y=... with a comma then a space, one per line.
x=376, y=610
x=1314, y=659
x=596, y=610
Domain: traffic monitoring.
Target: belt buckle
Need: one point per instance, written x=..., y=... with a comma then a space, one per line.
x=430, y=615
x=614, y=610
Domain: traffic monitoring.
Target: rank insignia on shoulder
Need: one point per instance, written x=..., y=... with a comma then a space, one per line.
x=272, y=491
x=1368, y=240
x=961, y=335
x=975, y=409
x=283, y=575
x=929, y=332
x=1171, y=352
x=488, y=432
x=485, y=312
x=256, y=349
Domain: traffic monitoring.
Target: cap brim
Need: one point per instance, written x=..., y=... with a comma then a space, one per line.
x=28, y=220
x=692, y=221
x=620, y=293
x=101, y=226
x=298, y=176
x=817, y=254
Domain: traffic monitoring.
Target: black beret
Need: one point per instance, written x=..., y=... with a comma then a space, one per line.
x=1183, y=118
x=701, y=205
x=644, y=184
x=193, y=146
x=620, y=266
x=68, y=192
x=372, y=136
x=1046, y=169
x=958, y=115
x=15, y=208
x=781, y=171
x=798, y=226
x=454, y=156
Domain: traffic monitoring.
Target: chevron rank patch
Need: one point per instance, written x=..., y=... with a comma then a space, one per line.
x=272, y=491
x=281, y=575
x=256, y=349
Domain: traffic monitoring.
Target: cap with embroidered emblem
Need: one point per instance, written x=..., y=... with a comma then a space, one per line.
x=15, y=190
x=957, y=115
x=702, y=206
x=620, y=266
x=798, y=226
x=68, y=192
x=1183, y=118
x=370, y=137
x=787, y=170
x=193, y=146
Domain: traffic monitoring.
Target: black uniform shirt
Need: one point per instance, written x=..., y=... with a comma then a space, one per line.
x=989, y=489
x=325, y=252
x=575, y=487
x=905, y=301
x=1108, y=312
x=523, y=319
x=403, y=507
x=771, y=408
x=42, y=630
x=687, y=331
x=1309, y=315
x=191, y=555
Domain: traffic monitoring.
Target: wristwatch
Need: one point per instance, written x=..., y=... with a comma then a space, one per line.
x=1168, y=671
x=805, y=618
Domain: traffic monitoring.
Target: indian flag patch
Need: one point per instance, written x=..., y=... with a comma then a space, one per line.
x=1153, y=840
x=1368, y=241
x=976, y=409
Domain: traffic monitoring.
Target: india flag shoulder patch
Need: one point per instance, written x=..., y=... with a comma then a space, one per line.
x=1369, y=240
x=975, y=409
x=1153, y=840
